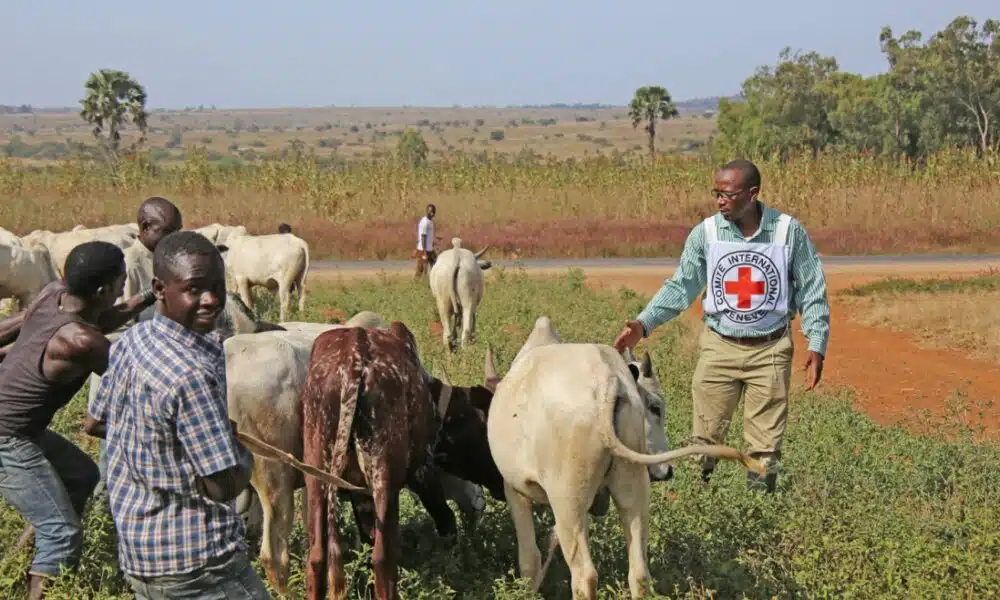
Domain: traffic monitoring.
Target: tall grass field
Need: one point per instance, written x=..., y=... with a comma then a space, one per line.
x=861, y=511
x=523, y=204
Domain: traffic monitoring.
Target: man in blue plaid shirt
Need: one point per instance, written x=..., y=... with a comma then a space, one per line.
x=175, y=466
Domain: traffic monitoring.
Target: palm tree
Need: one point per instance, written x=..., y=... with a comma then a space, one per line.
x=112, y=98
x=651, y=102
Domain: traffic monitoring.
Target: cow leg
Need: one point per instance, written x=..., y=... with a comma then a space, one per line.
x=316, y=524
x=336, y=578
x=274, y=485
x=529, y=558
x=570, y=511
x=364, y=517
x=456, y=327
x=387, y=539
x=243, y=289
x=301, y=286
x=427, y=487
x=629, y=485
x=468, y=324
x=444, y=314
x=284, y=300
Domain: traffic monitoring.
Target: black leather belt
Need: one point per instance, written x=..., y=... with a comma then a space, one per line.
x=754, y=340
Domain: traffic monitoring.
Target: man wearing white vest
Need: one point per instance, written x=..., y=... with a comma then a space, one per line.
x=757, y=267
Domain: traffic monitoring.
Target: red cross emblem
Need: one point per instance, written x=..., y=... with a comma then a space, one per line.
x=744, y=288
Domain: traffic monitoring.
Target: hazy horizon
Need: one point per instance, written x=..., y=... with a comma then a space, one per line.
x=393, y=54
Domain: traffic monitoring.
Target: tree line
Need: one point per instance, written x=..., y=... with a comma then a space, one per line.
x=938, y=93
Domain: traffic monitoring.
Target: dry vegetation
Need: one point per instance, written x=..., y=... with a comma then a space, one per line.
x=356, y=132
x=539, y=191
x=960, y=313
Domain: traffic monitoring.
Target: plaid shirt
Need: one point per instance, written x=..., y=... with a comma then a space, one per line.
x=163, y=400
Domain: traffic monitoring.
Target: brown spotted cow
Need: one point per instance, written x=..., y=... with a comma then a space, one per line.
x=368, y=417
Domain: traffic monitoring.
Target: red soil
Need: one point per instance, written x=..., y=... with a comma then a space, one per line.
x=892, y=378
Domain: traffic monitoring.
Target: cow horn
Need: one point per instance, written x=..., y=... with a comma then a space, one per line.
x=444, y=376
x=483, y=251
x=628, y=356
x=490, y=369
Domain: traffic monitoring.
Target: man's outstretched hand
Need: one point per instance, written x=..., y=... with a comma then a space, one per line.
x=814, y=367
x=629, y=336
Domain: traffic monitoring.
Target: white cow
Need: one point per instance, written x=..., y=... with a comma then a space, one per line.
x=264, y=373
x=567, y=420
x=365, y=318
x=279, y=260
x=219, y=234
x=130, y=229
x=24, y=271
x=9, y=238
x=61, y=244
x=457, y=283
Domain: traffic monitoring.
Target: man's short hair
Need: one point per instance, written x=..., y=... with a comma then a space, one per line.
x=176, y=245
x=167, y=207
x=749, y=174
x=92, y=265
x=431, y=206
x=284, y=228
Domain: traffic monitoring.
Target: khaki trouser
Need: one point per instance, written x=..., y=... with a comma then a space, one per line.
x=759, y=374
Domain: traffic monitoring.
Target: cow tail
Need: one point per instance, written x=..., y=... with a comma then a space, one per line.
x=456, y=304
x=350, y=396
x=618, y=448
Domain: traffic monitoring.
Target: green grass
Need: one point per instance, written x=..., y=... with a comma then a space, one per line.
x=862, y=511
x=986, y=282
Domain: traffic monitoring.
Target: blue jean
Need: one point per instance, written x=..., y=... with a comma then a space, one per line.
x=232, y=577
x=48, y=480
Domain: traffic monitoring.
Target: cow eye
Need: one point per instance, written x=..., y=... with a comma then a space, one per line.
x=657, y=412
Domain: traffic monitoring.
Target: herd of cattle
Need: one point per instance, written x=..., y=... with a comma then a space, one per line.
x=570, y=425
x=277, y=261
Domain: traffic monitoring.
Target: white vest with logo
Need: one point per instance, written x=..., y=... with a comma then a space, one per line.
x=747, y=283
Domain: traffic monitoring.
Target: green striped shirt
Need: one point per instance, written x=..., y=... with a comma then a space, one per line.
x=808, y=281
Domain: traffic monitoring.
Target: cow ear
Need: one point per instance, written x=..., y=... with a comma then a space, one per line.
x=222, y=248
x=444, y=377
x=647, y=365
x=634, y=370
x=492, y=383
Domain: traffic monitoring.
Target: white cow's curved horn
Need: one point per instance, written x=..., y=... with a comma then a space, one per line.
x=444, y=376
x=483, y=251
x=629, y=357
x=490, y=368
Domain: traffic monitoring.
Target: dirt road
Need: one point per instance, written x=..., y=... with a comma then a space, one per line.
x=892, y=378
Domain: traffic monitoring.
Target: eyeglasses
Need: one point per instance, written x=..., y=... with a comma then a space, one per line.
x=729, y=195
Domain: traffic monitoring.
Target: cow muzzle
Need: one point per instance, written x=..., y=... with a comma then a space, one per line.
x=659, y=473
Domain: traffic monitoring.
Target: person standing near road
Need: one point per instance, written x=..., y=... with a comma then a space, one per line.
x=759, y=267
x=60, y=341
x=424, y=253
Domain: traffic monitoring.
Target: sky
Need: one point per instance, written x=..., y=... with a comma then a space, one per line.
x=257, y=53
